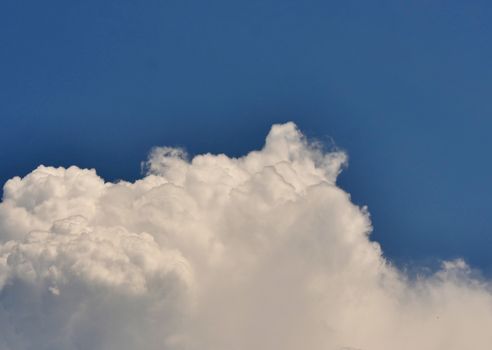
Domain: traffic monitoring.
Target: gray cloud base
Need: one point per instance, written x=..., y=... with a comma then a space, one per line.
x=260, y=252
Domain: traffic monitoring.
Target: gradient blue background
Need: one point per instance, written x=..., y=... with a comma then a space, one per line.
x=403, y=86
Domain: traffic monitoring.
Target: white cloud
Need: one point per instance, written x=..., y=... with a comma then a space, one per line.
x=261, y=252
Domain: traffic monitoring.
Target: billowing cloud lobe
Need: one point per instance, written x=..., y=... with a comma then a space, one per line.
x=260, y=252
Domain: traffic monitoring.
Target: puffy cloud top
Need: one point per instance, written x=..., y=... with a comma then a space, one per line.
x=260, y=252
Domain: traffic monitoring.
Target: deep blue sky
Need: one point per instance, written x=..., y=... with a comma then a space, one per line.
x=404, y=86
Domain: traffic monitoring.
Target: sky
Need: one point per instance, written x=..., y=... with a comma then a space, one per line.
x=401, y=86
x=401, y=89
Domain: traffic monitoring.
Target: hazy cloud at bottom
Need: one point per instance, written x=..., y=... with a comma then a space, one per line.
x=260, y=252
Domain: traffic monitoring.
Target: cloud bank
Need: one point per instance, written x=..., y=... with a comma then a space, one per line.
x=260, y=252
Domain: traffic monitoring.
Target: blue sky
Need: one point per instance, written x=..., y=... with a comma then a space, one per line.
x=402, y=86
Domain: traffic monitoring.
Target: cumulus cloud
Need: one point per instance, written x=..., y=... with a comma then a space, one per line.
x=217, y=253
